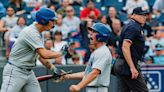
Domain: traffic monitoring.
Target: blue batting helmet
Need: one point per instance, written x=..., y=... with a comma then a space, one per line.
x=103, y=30
x=44, y=15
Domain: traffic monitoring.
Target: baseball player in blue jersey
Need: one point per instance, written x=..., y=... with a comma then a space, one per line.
x=18, y=74
x=96, y=76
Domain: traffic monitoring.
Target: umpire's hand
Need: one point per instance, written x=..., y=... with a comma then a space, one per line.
x=134, y=73
x=74, y=88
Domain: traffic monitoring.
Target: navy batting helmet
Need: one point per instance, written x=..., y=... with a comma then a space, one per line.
x=103, y=30
x=44, y=15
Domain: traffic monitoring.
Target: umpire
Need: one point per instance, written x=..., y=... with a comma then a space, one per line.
x=131, y=51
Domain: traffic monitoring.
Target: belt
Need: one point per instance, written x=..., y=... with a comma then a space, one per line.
x=97, y=86
x=20, y=67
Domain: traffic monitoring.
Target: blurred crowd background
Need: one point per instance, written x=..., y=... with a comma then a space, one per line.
x=73, y=18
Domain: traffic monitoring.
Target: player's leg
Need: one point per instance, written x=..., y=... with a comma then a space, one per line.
x=32, y=84
x=13, y=79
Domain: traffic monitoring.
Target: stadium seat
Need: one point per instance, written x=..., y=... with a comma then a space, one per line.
x=122, y=16
x=103, y=10
x=77, y=9
x=28, y=18
x=29, y=9
x=161, y=18
x=98, y=3
x=150, y=2
x=118, y=4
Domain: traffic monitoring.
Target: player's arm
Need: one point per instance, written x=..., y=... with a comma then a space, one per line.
x=90, y=77
x=2, y=29
x=46, y=63
x=47, y=54
x=127, y=54
x=78, y=75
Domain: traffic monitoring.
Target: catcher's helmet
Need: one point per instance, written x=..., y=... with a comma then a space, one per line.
x=44, y=15
x=103, y=30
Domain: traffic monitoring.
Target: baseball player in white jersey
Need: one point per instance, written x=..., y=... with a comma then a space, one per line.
x=96, y=76
x=18, y=74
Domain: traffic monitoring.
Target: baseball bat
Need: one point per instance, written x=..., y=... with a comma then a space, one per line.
x=44, y=78
x=48, y=77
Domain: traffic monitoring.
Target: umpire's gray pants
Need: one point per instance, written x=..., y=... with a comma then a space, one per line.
x=19, y=80
x=96, y=89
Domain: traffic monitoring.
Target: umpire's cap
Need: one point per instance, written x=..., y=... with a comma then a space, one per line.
x=140, y=11
x=103, y=30
x=44, y=15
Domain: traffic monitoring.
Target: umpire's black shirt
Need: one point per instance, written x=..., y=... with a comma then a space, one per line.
x=133, y=32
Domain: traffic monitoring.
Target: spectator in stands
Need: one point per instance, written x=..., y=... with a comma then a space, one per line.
x=84, y=32
x=89, y=11
x=103, y=19
x=150, y=25
x=2, y=10
x=62, y=8
x=14, y=33
x=52, y=7
x=158, y=58
x=69, y=56
x=19, y=6
x=37, y=6
x=48, y=43
x=159, y=54
x=131, y=4
x=112, y=14
x=152, y=41
x=46, y=35
x=7, y=23
x=31, y=3
x=70, y=20
x=158, y=39
x=76, y=2
x=60, y=26
x=76, y=60
x=158, y=7
x=114, y=37
x=58, y=42
x=88, y=53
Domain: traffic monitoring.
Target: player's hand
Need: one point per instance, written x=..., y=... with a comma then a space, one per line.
x=74, y=88
x=134, y=73
x=63, y=75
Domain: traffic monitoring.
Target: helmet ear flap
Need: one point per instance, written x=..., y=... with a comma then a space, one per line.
x=102, y=38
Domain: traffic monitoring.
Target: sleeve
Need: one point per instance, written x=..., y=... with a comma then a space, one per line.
x=100, y=61
x=131, y=34
x=34, y=41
